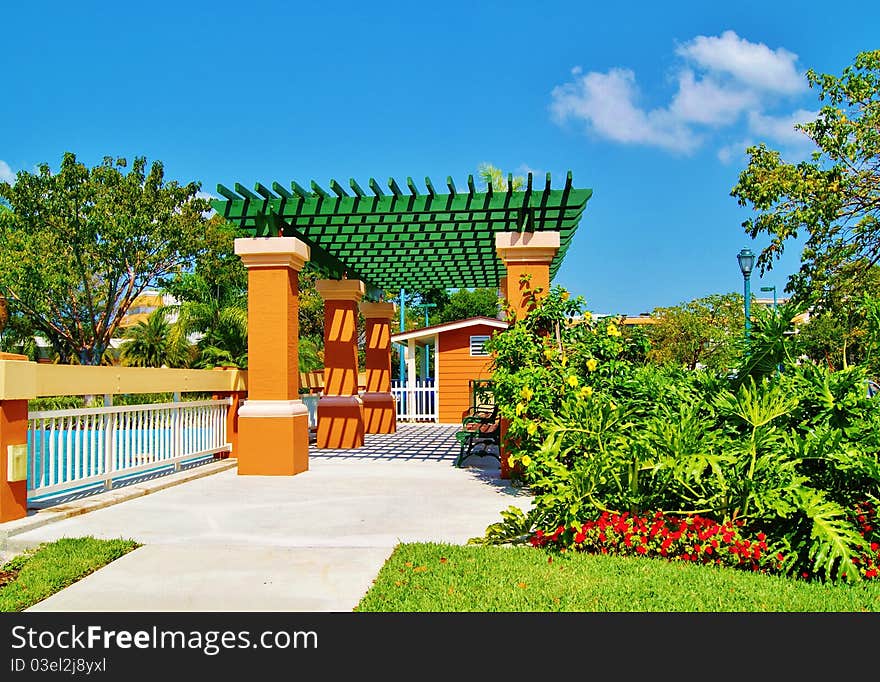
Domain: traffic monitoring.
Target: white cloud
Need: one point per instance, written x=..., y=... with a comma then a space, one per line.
x=722, y=82
x=706, y=101
x=752, y=64
x=736, y=150
x=6, y=174
x=781, y=128
x=606, y=102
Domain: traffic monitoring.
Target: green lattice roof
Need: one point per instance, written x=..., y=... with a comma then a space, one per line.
x=406, y=239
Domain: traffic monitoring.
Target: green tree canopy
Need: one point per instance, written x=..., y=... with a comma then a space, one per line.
x=81, y=244
x=834, y=198
x=706, y=331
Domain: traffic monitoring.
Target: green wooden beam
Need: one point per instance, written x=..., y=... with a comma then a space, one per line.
x=300, y=190
x=337, y=188
x=412, y=186
x=317, y=189
x=356, y=188
x=395, y=188
x=264, y=191
x=224, y=191
x=430, y=187
x=450, y=185
x=246, y=193
x=375, y=187
x=470, y=183
x=281, y=190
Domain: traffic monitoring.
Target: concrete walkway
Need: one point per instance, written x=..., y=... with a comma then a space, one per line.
x=311, y=542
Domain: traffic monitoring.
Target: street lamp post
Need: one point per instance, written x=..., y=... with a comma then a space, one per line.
x=773, y=289
x=746, y=261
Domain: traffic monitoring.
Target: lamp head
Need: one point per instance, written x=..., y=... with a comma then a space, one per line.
x=746, y=261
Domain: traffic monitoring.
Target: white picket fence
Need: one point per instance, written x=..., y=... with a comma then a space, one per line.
x=70, y=449
x=416, y=403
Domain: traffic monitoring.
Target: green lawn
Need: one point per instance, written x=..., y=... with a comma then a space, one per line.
x=31, y=577
x=428, y=577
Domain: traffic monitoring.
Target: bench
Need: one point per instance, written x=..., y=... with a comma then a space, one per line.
x=480, y=429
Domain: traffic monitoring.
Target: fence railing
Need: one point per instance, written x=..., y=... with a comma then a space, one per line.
x=416, y=403
x=69, y=449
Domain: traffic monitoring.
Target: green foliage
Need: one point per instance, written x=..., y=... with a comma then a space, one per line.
x=705, y=332
x=786, y=447
x=81, y=244
x=835, y=197
x=466, y=303
x=150, y=343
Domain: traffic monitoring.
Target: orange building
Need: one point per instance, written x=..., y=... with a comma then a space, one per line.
x=459, y=357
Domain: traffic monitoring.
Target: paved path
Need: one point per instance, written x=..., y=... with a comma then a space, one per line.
x=311, y=542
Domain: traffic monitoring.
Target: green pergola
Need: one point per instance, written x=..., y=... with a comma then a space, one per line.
x=392, y=239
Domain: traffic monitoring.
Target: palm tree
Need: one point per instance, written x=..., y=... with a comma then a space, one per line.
x=150, y=343
x=494, y=176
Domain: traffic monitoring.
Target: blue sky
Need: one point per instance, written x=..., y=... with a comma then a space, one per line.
x=649, y=104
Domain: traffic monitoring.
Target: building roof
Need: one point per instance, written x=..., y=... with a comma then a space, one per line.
x=428, y=332
x=409, y=238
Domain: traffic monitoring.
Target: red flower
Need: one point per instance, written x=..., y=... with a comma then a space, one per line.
x=762, y=537
x=641, y=549
x=580, y=537
x=871, y=573
x=875, y=547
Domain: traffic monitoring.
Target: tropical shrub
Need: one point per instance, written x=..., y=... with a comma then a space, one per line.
x=779, y=449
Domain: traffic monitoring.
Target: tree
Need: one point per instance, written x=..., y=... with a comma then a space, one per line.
x=151, y=343
x=81, y=244
x=706, y=331
x=466, y=303
x=834, y=198
x=494, y=176
x=837, y=332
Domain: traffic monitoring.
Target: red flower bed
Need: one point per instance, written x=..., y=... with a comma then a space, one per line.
x=693, y=538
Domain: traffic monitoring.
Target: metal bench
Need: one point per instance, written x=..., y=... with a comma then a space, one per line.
x=480, y=429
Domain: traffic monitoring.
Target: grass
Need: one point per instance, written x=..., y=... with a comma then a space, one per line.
x=39, y=573
x=429, y=577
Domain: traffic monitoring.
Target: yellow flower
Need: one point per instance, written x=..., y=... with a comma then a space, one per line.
x=564, y=295
x=526, y=393
x=613, y=330
x=511, y=461
x=549, y=353
x=572, y=380
x=532, y=428
x=586, y=392
x=563, y=360
x=588, y=316
x=526, y=460
x=592, y=364
x=520, y=408
x=613, y=405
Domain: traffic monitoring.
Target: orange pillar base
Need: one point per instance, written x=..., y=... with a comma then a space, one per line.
x=380, y=413
x=273, y=438
x=340, y=422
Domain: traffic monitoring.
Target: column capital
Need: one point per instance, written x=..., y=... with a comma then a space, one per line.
x=272, y=252
x=383, y=311
x=340, y=289
x=527, y=247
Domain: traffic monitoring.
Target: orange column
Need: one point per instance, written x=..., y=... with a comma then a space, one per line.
x=380, y=415
x=340, y=409
x=527, y=257
x=273, y=423
x=13, y=437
